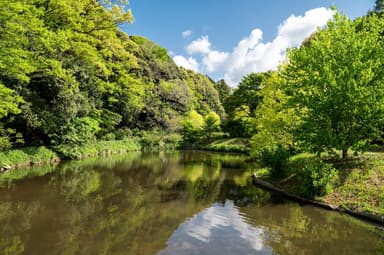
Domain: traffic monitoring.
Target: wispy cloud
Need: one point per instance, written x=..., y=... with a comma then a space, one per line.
x=187, y=33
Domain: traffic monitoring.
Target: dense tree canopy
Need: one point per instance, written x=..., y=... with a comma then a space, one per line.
x=68, y=74
x=242, y=103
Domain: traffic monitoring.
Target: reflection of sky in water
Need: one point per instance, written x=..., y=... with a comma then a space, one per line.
x=219, y=229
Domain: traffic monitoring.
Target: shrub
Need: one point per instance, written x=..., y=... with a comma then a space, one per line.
x=316, y=176
x=277, y=159
x=26, y=155
x=173, y=141
x=152, y=140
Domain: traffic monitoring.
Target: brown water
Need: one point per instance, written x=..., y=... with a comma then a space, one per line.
x=167, y=204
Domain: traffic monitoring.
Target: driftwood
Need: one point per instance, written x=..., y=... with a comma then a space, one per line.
x=378, y=219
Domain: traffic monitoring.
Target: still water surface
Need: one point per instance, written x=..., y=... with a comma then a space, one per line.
x=167, y=204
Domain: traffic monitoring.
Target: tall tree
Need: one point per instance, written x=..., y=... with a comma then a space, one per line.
x=378, y=6
x=336, y=81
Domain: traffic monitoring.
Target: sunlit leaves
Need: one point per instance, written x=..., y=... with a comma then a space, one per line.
x=336, y=78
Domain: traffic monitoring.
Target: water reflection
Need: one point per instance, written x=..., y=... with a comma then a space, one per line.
x=219, y=229
x=168, y=203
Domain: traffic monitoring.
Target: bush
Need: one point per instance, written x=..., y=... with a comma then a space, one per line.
x=123, y=133
x=26, y=155
x=152, y=140
x=316, y=176
x=96, y=148
x=277, y=159
x=173, y=141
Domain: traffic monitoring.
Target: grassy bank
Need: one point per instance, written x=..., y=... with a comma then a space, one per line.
x=238, y=145
x=40, y=155
x=356, y=184
x=27, y=156
x=360, y=185
x=98, y=148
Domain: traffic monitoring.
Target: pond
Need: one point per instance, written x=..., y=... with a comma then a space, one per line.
x=167, y=204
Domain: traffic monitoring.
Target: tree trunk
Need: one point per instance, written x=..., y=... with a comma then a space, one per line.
x=345, y=153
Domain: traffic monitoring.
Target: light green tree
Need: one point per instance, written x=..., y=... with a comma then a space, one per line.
x=336, y=80
x=274, y=120
x=211, y=124
x=192, y=127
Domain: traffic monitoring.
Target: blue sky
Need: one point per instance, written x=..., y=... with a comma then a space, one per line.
x=218, y=26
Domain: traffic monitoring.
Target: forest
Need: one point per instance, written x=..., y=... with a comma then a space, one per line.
x=71, y=79
x=69, y=76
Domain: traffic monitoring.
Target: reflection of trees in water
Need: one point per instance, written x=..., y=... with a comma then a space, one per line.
x=12, y=225
x=133, y=204
x=298, y=229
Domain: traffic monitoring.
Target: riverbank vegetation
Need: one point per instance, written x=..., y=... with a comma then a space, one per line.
x=73, y=82
x=320, y=113
x=70, y=77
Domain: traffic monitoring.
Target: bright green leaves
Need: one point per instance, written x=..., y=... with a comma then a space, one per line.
x=9, y=101
x=337, y=80
x=68, y=75
x=274, y=120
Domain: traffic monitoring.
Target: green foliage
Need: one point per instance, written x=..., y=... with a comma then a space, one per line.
x=79, y=132
x=275, y=121
x=316, y=178
x=336, y=81
x=205, y=96
x=246, y=93
x=192, y=128
x=9, y=101
x=152, y=140
x=26, y=156
x=223, y=89
x=211, y=124
x=97, y=148
x=198, y=129
x=243, y=122
x=277, y=159
x=242, y=103
x=239, y=145
x=68, y=75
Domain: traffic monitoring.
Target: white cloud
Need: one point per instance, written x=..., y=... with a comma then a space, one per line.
x=187, y=63
x=187, y=33
x=204, y=232
x=214, y=60
x=252, y=54
x=199, y=46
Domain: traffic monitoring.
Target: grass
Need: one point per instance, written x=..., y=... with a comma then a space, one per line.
x=361, y=184
x=98, y=148
x=239, y=145
x=27, y=156
x=39, y=155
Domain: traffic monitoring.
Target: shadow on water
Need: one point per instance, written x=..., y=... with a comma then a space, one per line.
x=167, y=203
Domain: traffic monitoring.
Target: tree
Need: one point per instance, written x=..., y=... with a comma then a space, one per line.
x=245, y=97
x=211, y=124
x=223, y=89
x=246, y=93
x=9, y=102
x=192, y=127
x=336, y=81
x=378, y=6
x=275, y=121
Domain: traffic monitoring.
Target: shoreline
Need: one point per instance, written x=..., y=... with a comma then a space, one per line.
x=37, y=156
x=372, y=218
x=363, y=215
